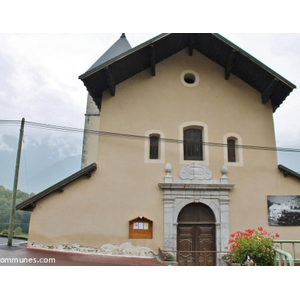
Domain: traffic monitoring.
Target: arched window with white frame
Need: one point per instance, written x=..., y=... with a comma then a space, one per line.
x=194, y=145
x=231, y=149
x=233, y=153
x=154, y=148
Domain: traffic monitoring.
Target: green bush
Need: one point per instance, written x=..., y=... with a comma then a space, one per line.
x=6, y=231
x=167, y=256
x=18, y=231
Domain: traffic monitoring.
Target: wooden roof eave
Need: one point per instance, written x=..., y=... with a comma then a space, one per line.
x=270, y=84
x=255, y=60
x=286, y=171
x=29, y=204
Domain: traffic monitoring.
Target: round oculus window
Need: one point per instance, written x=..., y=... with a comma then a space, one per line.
x=189, y=78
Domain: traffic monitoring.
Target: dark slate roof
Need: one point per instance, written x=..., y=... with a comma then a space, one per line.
x=286, y=171
x=106, y=73
x=29, y=204
x=119, y=47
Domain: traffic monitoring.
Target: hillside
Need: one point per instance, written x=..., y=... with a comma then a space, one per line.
x=21, y=217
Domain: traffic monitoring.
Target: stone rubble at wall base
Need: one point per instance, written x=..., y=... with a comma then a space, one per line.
x=125, y=249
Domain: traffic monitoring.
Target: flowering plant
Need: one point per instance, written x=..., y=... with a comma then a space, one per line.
x=254, y=245
x=167, y=256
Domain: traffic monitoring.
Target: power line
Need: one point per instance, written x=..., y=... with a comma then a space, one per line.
x=132, y=136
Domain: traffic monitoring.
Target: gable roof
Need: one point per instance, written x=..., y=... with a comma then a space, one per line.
x=110, y=70
x=29, y=204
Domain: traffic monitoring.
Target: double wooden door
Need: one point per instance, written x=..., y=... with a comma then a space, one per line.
x=196, y=244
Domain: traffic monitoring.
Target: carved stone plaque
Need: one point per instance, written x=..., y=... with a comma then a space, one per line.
x=195, y=171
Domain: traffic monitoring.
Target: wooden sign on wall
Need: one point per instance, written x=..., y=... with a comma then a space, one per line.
x=140, y=228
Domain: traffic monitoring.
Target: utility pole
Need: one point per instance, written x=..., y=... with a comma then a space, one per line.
x=13, y=203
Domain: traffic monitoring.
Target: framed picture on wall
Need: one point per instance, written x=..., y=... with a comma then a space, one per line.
x=284, y=210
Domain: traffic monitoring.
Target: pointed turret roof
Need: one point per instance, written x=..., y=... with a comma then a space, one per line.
x=117, y=49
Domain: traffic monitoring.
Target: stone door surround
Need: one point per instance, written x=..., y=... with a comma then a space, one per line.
x=195, y=185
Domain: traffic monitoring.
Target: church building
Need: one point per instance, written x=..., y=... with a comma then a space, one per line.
x=178, y=153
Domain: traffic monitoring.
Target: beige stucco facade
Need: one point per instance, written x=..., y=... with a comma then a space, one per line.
x=96, y=211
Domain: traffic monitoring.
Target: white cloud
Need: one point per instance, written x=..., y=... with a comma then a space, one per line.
x=4, y=146
x=40, y=80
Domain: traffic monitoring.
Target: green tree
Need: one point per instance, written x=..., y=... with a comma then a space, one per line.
x=18, y=231
x=21, y=217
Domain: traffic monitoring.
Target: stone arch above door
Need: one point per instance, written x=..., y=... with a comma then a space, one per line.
x=197, y=213
x=178, y=193
x=211, y=203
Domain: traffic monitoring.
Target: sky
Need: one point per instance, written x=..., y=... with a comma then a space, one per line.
x=39, y=74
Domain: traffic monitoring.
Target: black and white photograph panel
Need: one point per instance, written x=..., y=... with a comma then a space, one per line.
x=284, y=210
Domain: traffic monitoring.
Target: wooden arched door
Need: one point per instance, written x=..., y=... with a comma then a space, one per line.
x=196, y=236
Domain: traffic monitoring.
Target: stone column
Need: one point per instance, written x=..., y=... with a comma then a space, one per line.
x=169, y=232
x=224, y=211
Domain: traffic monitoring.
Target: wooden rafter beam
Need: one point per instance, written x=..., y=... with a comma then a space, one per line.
x=191, y=44
x=229, y=64
x=98, y=101
x=110, y=81
x=88, y=174
x=152, y=59
x=265, y=96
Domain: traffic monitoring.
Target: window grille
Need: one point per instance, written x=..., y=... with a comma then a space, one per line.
x=193, y=146
x=154, y=142
x=231, y=150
